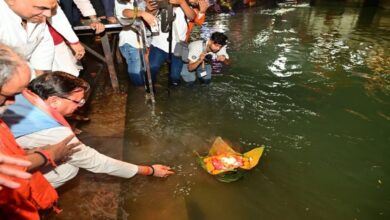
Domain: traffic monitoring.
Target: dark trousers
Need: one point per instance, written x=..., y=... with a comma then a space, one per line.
x=157, y=57
x=71, y=12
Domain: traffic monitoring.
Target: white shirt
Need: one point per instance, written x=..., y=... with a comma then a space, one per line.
x=85, y=7
x=34, y=42
x=127, y=35
x=160, y=41
x=87, y=158
x=61, y=24
x=197, y=47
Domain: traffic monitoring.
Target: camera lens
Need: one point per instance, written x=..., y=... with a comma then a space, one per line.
x=208, y=58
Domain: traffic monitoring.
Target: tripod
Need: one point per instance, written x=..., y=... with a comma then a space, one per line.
x=144, y=54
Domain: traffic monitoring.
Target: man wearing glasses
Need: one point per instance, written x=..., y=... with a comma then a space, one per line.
x=37, y=118
x=22, y=198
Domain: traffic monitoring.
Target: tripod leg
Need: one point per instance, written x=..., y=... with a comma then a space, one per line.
x=148, y=76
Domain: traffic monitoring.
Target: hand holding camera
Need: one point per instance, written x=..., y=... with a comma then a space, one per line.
x=205, y=57
x=201, y=56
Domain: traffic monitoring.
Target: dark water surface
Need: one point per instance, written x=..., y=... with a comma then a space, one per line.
x=310, y=83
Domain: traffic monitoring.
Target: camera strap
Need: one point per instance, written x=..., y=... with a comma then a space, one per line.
x=204, y=49
x=204, y=46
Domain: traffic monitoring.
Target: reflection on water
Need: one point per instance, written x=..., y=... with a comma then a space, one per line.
x=312, y=84
x=378, y=60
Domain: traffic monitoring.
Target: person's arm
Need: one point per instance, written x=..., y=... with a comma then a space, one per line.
x=188, y=11
x=156, y=170
x=192, y=65
x=87, y=10
x=52, y=154
x=223, y=59
x=90, y=159
x=222, y=56
x=87, y=157
x=60, y=23
x=199, y=18
x=201, y=14
x=127, y=11
x=146, y=16
x=96, y=24
x=85, y=7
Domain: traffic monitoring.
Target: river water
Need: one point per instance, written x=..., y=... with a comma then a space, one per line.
x=312, y=84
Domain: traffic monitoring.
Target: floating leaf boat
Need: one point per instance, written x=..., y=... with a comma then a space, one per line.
x=226, y=164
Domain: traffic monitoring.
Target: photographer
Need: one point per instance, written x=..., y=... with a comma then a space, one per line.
x=200, y=56
x=159, y=50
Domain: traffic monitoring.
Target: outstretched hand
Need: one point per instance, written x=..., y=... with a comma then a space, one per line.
x=8, y=171
x=162, y=171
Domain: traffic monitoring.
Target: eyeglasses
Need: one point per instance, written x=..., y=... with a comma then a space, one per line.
x=79, y=103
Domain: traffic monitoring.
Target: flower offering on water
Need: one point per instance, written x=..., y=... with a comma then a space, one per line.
x=222, y=159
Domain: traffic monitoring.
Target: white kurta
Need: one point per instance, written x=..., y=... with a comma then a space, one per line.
x=64, y=60
x=87, y=158
x=34, y=42
x=61, y=24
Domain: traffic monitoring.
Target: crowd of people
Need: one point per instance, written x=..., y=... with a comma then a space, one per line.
x=163, y=43
x=39, y=87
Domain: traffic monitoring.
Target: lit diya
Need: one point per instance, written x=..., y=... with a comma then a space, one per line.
x=226, y=164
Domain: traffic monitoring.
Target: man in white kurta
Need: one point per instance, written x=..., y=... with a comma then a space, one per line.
x=33, y=127
x=38, y=120
x=32, y=39
x=64, y=59
x=87, y=158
